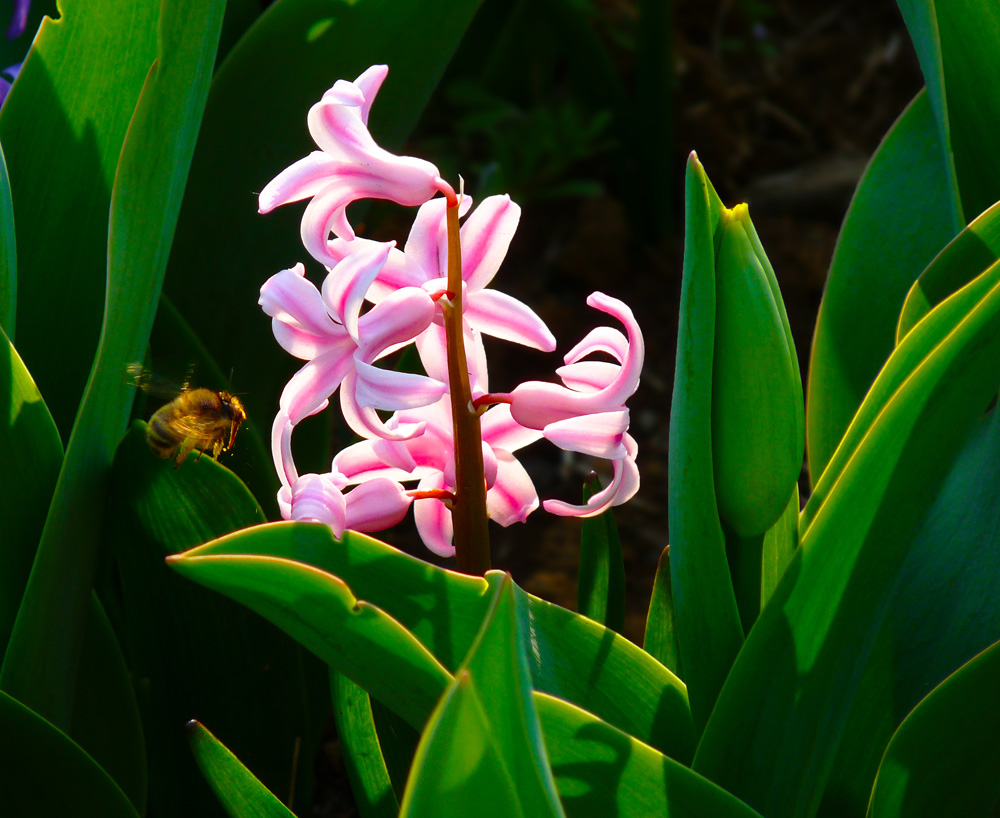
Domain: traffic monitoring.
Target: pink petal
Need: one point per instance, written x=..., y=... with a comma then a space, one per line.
x=427, y=244
x=623, y=486
x=370, y=459
x=281, y=452
x=386, y=389
x=588, y=376
x=600, y=339
x=512, y=497
x=495, y=313
x=376, y=505
x=600, y=434
x=345, y=287
x=309, y=389
x=315, y=498
x=365, y=421
x=501, y=431
x=397, y=319
x=369, y=82
x=486, y=236
x=291, y=298
x=433, y=520
x=300, y=180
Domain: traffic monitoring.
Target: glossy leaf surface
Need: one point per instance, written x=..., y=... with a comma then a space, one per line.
x=883, y=246
x=239, y=792
x=773, y=735
x=570, y=656
x=706, y=618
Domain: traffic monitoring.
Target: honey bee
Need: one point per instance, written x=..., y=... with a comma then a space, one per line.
x=200, y=418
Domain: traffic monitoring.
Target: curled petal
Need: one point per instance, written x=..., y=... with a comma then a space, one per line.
x=309, y=389
x=376, y=504
x=485, y=239
x=492, y=312
x=301, y=322
x=622, y=488
x=345, y=287
x=316, y=498
x=281, y=452
x=600, y=339
x=501, y=431
x=365, y=421
x=386, y=389
x=398, y=319
x=512, y=497
x=600, y=434
x=300, y=180
x=433, y=519
x=588, y=376
x=346, y=106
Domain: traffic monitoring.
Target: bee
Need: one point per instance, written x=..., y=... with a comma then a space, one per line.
x=199, y=418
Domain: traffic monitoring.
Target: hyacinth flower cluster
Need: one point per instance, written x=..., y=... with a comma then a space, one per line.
x=448, y=446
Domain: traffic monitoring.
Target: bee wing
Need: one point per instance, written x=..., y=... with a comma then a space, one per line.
x=157, y=385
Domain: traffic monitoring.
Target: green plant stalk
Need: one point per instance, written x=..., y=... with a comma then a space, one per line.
x=468, y=509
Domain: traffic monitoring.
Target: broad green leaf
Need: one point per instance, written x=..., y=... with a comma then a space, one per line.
x=957, y=44
x=660, y=639
x=255, y=126
x=600, y=770
x=106, y=721
x=601, y=592
x=903, y=212
x=320, y=612
x=239, y=792
x=45, y=775
x=706, y=618
x=909, y=355
x=144, y=204
x=360, y=744
x=193, y=652
x=459, y=770
x=965, y=257
x=944, y=757
x=779, y=547
x=65, y=119
x=8, y=255
x=30, y=456
x=497, y=663
x=773, y=735
x=571, y=656
x=940, y=616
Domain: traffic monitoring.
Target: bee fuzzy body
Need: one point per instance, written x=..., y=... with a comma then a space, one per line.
x=199, y=419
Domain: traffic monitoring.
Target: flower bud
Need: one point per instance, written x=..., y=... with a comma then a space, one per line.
x=757, y=412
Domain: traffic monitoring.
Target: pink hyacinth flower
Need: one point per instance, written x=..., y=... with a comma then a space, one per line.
x=587, y=412
x=485, y=237
x=348, y=166
x=429, y=460
x=341, y=346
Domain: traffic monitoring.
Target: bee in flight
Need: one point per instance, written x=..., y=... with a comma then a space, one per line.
x=198, y=418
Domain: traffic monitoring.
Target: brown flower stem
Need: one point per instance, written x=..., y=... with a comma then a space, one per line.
x=468, y=514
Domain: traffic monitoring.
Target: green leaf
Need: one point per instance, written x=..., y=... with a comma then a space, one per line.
x=601, y=592
x=106, y=722
x=359, y=742
x=773, y=735
x=255, y=126
x=957, y=49
x=30, y=456
x=660, y=640
x=903, y=212
x=320, y=612
x=45, y=775
x=145, y=201
x=940, y=616
x=965, y=257
x=909, y=355
x=65, y=119
x=497, y=663
x=943, y=758
x=239, y=792
x=602, y=771
x=459, y=770
x=571, y=656
x=8, y=255
x=706, y=618
x=193, y=652
x=779, y=547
